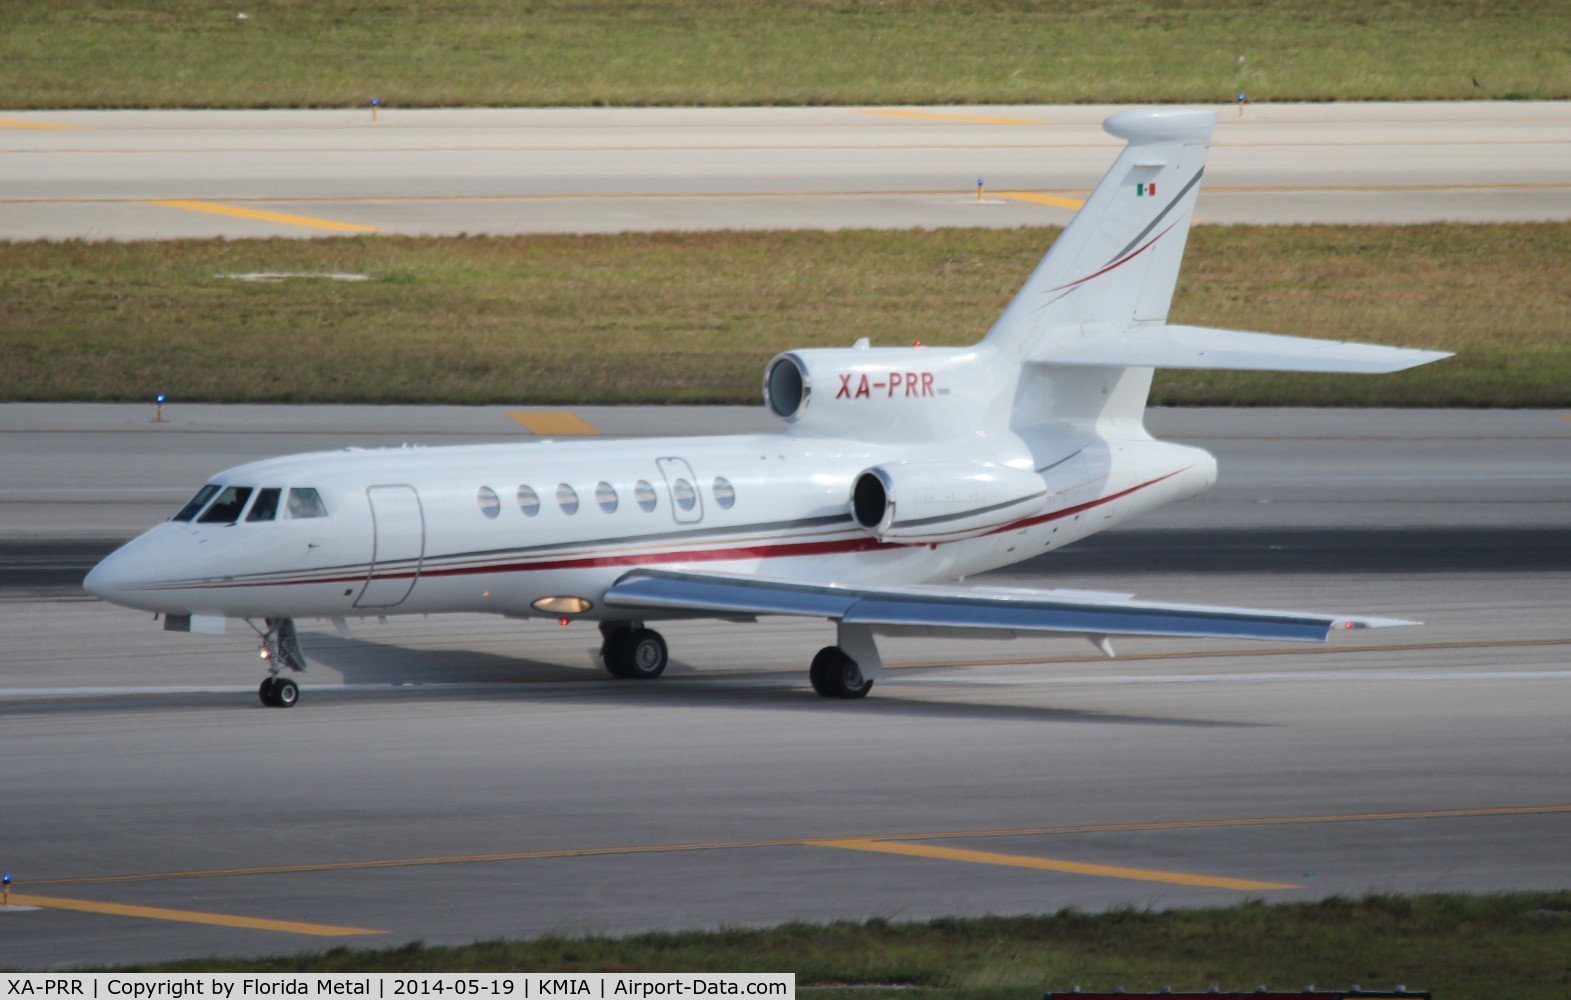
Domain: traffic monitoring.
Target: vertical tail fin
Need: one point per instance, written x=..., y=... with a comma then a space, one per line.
x=1117, y=261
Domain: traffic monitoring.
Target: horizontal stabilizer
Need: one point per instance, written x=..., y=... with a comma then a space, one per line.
x=944, y=609
x=1169, y=346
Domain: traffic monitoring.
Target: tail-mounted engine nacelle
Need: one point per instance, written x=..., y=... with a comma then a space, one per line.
x=922, y=502
x=882, y=393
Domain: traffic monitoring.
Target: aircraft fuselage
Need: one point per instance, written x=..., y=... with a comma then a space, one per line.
x=501, y=528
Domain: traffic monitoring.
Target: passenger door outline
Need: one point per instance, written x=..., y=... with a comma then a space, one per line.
x=397, y=540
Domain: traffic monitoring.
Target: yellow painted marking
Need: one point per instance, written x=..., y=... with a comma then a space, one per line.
x=553, y=423
x=588, y=852
x=189, y=916
x=41, y=126
x=282, y=218
x=1216, y=824
x=1038, y=198
x=939, y=116
x=1052, y=865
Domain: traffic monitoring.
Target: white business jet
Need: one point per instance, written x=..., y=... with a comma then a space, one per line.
x=898, y=467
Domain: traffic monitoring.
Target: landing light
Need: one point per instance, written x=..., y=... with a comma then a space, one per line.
x=563, y=605
x=265, y=653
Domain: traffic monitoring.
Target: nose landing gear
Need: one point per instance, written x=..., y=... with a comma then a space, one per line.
x=280, y=649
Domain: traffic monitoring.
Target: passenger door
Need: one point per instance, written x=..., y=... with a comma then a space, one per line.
x=398, y=527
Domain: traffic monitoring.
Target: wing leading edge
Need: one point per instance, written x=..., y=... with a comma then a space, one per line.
x=941, y=609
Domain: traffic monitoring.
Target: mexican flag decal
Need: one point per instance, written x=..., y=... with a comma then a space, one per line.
x=1141, y=190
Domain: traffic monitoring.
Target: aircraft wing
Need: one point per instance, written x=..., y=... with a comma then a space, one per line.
x=933, y=609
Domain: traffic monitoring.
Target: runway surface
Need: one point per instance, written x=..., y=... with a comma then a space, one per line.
x=455, y=778
x=164, y=174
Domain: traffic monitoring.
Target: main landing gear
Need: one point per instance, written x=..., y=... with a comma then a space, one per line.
x=835, y=675
x=280, y=649
x=632, y=652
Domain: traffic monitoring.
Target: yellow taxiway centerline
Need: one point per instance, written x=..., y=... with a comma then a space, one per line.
x=1050, y=865
x=553, y=423
x=189, y=916
x=41, y=126
x=1037, y=198
x=882, y=838
x=939, y=116
x=282, y=218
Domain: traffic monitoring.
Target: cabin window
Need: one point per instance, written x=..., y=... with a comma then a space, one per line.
x=197, y=502
x=226, y=509
x=304, y=502
x=567, y=499
x=605, y=496
x=266, y=506
x=725, y=494
x=490, y=503
x=645, y=495
x=528, y=501
x=686, y=497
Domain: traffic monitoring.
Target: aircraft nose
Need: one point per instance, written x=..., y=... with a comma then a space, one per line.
x=113, y=577
x=138, y=574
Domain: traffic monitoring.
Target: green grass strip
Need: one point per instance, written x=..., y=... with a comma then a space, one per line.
x=340, y=53
x=694, y=317
x=1460, y=947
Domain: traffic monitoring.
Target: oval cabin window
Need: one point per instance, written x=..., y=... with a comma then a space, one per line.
x=490, y=503
x=567, y=499
x=605, y=496
x=686, y=497
x=645, y=495
x=528, y=501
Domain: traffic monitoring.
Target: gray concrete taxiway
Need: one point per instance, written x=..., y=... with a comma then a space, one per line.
x=447, y=779
x=163, y=174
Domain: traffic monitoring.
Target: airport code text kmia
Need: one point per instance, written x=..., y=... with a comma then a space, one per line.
x=512, y=986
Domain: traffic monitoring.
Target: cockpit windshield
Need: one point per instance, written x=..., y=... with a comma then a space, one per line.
x=226, y=509
x=266, y=506
x=197, y=502
x=305, y=502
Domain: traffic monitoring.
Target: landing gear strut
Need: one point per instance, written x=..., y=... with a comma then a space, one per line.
x=632, y=652
x=280, y=649
x=835, y=675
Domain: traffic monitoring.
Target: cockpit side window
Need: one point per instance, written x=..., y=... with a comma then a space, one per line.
x=197, y=502
x=305, y=502
x=266, y=506
x=226, y=509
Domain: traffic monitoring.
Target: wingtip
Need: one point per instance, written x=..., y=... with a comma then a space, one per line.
x=1352, y=623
